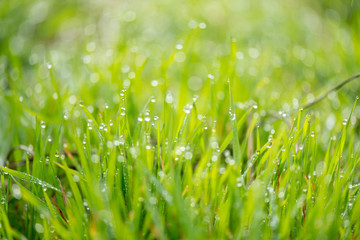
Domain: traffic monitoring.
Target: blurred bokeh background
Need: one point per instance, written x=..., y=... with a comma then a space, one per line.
x=288, y=52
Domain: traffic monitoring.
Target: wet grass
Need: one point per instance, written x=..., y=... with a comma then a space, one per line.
x=189, y=133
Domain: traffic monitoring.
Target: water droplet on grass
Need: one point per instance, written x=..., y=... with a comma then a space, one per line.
x=39, y=228
x=95, y=158
x=202, y=25
x=281, y=194
x=179, y=46
x=253, y=53
x=188, y=155
x=154, y=83
x=231, y=162
x=187, y=108
x=122, y=111
x=153, y=200
x=110, y=144
x=42, y=124
x=76, y=178
x=121, y=159
x=213, y=143
x=214, y=158
x=227, y=153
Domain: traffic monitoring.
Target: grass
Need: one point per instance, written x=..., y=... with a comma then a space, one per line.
x=179, y=126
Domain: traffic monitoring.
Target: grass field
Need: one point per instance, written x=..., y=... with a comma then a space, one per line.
x=179, y=119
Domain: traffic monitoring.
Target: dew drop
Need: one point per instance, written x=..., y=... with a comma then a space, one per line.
x=121, y=159
x=39, y=228
x=179, y=46
x=76, y=178
x=154, y=83
x=187, y=108
x=169, y=98
x=122, y=111
x=153, y=200
x=188, y=155
x=95, y=158
x=202, y=25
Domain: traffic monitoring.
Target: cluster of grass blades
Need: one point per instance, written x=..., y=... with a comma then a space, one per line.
x=175, y=176
x=138, y=119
